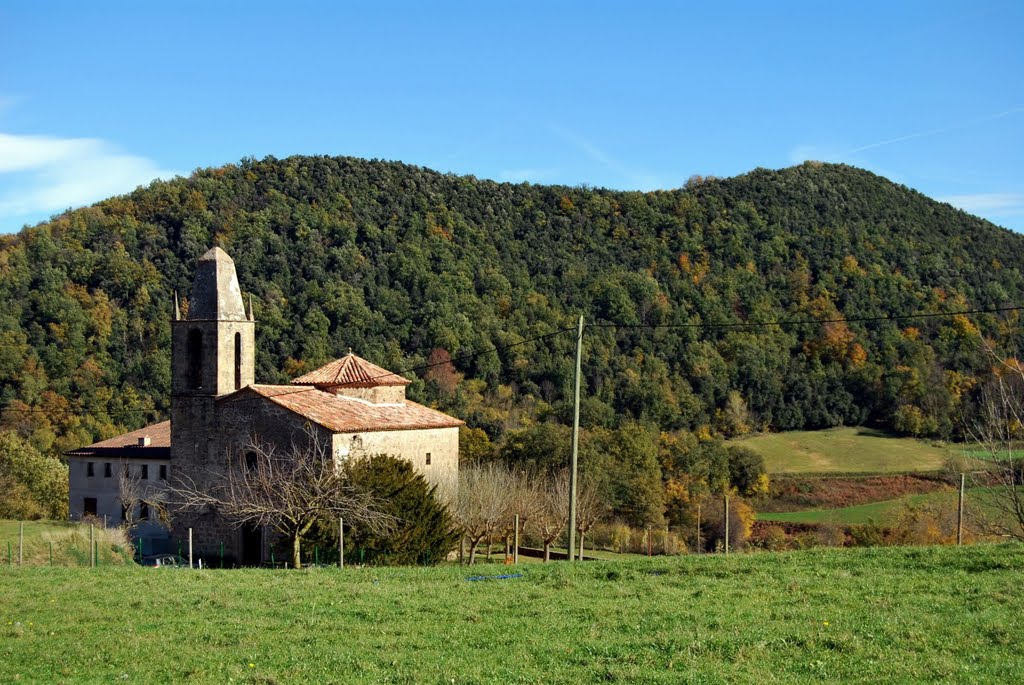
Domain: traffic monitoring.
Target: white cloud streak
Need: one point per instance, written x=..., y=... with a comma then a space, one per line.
x=991, y=204
x=937, y=131
x=40, y=174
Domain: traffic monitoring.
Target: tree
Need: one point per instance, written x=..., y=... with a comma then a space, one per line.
x=287, y=490
x=482, y=504
x=134, y=492
x=31, y=485
x=423, y=531
x=552, y=512
x=999, y=432
x=590, y=508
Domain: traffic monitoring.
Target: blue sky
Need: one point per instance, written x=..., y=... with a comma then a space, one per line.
x=97, y=98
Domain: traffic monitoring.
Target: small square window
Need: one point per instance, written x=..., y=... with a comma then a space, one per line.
x=428, y=458
x=106, y=470
x=89, y=469
x=89, y=506
x=145, y=472
x=163, y=471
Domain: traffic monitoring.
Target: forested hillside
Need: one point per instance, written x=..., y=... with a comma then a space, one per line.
x=405, y=265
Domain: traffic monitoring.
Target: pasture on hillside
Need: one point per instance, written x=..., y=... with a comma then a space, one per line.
x=863, y=615
x=845, y=450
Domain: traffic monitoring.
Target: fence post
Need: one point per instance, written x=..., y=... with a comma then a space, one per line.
x=515, y=542
x=51, y=553
x=21, y=543
x=222, y=554
x=10, y=557
x=92, y=546
x=960, y=513
x=190, y=548
x=727, y=523
x=341, y=542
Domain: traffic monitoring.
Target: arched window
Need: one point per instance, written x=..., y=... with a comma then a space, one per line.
x=195, y=358
x=238, y=361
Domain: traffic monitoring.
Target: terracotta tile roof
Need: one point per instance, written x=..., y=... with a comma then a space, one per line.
x=127, y=444
x=352, y=372
x=349, y=414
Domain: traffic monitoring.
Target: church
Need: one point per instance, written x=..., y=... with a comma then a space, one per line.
x=217, y=410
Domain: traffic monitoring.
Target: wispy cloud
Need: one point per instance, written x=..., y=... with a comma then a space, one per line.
x=45, y=174
x=938, y=131
x=990, y=204
x=630, y=176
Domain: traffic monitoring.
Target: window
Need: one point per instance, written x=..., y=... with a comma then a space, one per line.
x=89, y=471
x=238, y=361
x=428, y=458
x=145, y=472
x=163, y=471
x=143, y=512
x=106, y=470
x=195, y=359
x=89, y=506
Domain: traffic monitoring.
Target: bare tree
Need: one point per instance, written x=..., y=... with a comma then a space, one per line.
x=552, y=512
x=999, y=432
x=134, y=492
x=522, y=500
x=286, y=490
x=481, y=504
x=590, y=508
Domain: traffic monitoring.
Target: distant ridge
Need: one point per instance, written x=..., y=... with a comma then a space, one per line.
x=404, y=264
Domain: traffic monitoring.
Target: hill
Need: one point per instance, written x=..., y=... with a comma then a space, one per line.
x=878, y=615
x=406, y=265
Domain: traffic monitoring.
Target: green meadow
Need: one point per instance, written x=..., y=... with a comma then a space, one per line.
x=921, y=614
x=875, y=512
x=845, y=450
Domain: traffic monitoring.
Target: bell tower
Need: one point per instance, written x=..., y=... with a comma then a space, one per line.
x=212, y=354
x=212, y=347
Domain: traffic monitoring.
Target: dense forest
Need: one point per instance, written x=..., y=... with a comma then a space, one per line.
x=408, y=266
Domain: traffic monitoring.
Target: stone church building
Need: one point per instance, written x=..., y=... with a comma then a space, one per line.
x=218, y=410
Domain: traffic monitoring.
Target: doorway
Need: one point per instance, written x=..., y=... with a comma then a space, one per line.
x=252, y=545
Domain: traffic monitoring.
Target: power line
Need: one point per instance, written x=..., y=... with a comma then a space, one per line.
x=412, y=369
x=807, y=322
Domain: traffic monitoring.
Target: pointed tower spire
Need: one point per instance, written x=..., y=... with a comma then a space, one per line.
x=251, y=317
x=177, y=309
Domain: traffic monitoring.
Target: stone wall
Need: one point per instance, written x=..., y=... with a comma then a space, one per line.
x=412, y=445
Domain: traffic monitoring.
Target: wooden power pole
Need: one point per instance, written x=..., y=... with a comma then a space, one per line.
x=575, y=442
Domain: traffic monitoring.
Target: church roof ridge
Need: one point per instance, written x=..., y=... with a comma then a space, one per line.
x=351, y=371
x=341, y=414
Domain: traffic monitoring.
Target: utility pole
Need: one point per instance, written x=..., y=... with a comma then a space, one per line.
x=960, y=513
x=575, y=442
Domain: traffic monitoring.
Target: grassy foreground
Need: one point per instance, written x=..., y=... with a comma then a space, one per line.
x=845, y=450
x=868, y=615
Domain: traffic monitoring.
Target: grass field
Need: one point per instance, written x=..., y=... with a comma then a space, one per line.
x=845, y=450
x=68, y=541
x=876, y=512
x=866, y=615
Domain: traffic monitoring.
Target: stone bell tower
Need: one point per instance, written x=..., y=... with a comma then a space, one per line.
x=212, y=354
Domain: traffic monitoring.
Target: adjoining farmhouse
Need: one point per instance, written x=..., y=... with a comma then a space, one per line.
x=217, y=410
